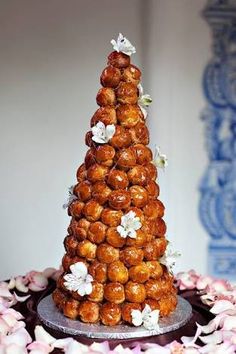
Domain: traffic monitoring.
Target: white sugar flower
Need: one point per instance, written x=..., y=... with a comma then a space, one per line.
x=169, y=258
x=129, y=224
x=79, y=280
x=144, y=100
x=70, y=198
x=160, y=160
x=102, y=134
x=123, y=45
x=147, y=317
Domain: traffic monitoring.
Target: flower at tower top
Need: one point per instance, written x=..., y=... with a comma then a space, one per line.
x=71, y=198
x=148, y=318
x=102, y=134
x=160, y=160
x=79, y=280
x=122, y=44
x=130, y=223
x=144, y=100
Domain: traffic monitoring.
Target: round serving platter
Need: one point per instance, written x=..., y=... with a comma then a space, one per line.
x=53, y=318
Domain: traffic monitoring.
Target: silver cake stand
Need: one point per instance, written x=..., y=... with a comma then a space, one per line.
x=51, y=317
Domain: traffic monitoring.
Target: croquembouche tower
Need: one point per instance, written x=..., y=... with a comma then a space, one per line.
x=114, y=263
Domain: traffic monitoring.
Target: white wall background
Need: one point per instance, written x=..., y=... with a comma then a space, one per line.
x=52, y=54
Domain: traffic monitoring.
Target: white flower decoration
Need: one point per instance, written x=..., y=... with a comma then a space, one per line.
x=169, y=258
x=102, y=134
x=123, y=45
x=147, y=317
x=79, y=280
x=143, y=101
x=129, y=224
x=160, y=160
x=70, y=198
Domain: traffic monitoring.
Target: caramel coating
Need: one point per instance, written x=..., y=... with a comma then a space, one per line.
x=151, y=170
x=98, y=271
x=118, y=59
x=127, y=93
x=135, y=292
x=139, y=196
x=140, y=134
x=61, y=285
x=106, y=97
x=110, y=314
x=154, y=209
x=156, y=289
x=97, y=292
x=114, y=292
x=113, y=237
x=105, y=154
x=148, y=226
x=81, y=173
x=79, y=228
x=89, y=139
x=107, y=254
x=92, y=210
x=129, y=115
x=97, y=232
x=101, y=192
x=131, y=74
x=160, y=227
x=117, y=179
x=121, y=139
x=97, y=173
x=106, y=115
x=89, y=312
x=90, y=158
x=127, y=309
x=75, y=208
x=143, y=154
x=125, y=158
x=119, y=199
x=155, y=249
x=138, y=212
x=70, y=244
x=139, y=241
x=59, y=298
x=131, y=256
x=154, y=304
x=167, y=304
x=83, y=190
x=152, y=189
x=155, y=268
x=139, y=273
x=110, y=77
x=117, y=272
x=70, y=308
x=111, y=217
x=87, y=250
x=138, y=175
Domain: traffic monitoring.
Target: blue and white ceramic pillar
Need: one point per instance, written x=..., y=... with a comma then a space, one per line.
x=218, y=185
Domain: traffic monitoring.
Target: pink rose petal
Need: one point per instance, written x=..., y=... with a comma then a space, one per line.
x=39, y=347
x=214, y=338
x=21, y=298
x=221, y=306
x=41, y=335
x=203, y=282
x=20, y=284
x=229, y=323
x=4, y=327
x=21, y=337
x=14, y=349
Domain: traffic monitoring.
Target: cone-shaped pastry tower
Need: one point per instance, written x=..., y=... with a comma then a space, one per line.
x=116, y=236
